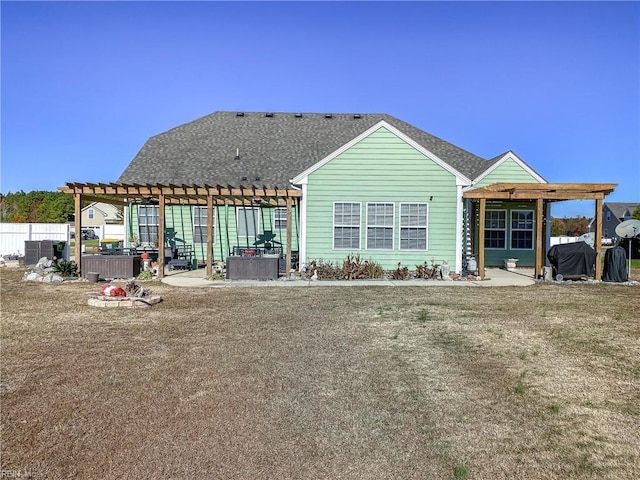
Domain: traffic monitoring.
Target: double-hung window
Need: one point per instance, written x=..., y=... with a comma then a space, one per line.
x=200, y=224
x=346, y=225
x=148, y=223
x=279, y=218
x=413, y=226
x=522, y=229
x=495, y=229
x=379, y=226
x=248, y=224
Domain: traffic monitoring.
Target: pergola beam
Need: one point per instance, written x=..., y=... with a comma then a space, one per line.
x=204, y=195
x=541, y=193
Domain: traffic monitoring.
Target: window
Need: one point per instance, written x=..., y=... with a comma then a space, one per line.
x=413, y=226
x=495, y=229
x=148, y=223
x=92, y=214
x=200, y=224
x=248, y=223
x=346, y=225
x=380, y=226
x=280, y=219
x=522, y=229
x=608, y=216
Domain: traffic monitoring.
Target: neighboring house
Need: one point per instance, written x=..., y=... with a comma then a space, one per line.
x=370, y=184
x=98, y=214
x=613, y=214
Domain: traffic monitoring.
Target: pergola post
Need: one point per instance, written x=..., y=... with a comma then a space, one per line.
x=289, y=230
x=539, y=235
x=161, y=222
x=481, y=227
x=77, y=250
x=597, y=243
x=209, y=234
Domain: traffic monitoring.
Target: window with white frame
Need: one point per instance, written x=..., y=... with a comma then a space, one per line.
x=522, y=229
x=379, y=226
x=413, y=226
x=200, y=224
x=346, y=225
x=495, y=229
x=248, y=225
x=279, y=218
x=148, y=223
x=91, y=214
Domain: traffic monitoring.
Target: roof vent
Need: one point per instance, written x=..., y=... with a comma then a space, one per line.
x=240, y=114
x=328, y=115
x=244, y=179
x=298, y=115
x=357, y=115
x=268, y=115
x=257, y=179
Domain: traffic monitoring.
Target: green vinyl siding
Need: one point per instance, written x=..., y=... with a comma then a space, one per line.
x=382, y=169
x=179, y=229
x=508, y=171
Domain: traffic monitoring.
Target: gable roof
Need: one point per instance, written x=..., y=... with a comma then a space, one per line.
x=619, y=208
x=229, y=148
x=107, y=209
x=495, y=162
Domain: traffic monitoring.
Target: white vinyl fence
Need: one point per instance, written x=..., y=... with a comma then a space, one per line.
x=13, y=236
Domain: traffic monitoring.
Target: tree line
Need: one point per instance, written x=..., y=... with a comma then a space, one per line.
x=36, y=207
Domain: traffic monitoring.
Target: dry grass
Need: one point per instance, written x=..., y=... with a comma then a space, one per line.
x=539, y=382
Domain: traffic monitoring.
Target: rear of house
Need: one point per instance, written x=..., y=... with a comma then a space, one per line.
x=369, y=184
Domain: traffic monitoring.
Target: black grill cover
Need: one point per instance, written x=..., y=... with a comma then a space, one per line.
x=572, y=260
x=615, y=265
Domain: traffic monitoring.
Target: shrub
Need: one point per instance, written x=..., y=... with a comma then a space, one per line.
x=353, y=267
x=401, y=273
x=65, y=268
x=426, y=271
x=145, y=275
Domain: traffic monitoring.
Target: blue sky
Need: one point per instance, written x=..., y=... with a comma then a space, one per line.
x=84, y=84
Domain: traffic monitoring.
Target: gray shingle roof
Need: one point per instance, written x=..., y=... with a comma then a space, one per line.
x=619, y=208
x=272, y=149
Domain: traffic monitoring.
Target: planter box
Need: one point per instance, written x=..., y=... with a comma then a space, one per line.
x=111, y=266
x=252, y=268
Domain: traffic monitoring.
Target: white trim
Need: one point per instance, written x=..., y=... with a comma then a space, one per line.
x=426, y=228
x=533, y=230
x=383, y=124
x=333, y=226
x=127, y=233
x=393, y=223
x=507, y=237
x=273, y=220
x=302, y=246
x=194, y=225
x=505, y=157
x=147, y=225
x=256, y=225
x=459, y=229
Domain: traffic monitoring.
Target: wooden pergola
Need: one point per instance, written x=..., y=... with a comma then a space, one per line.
x=202, y=195
x=542, y=194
